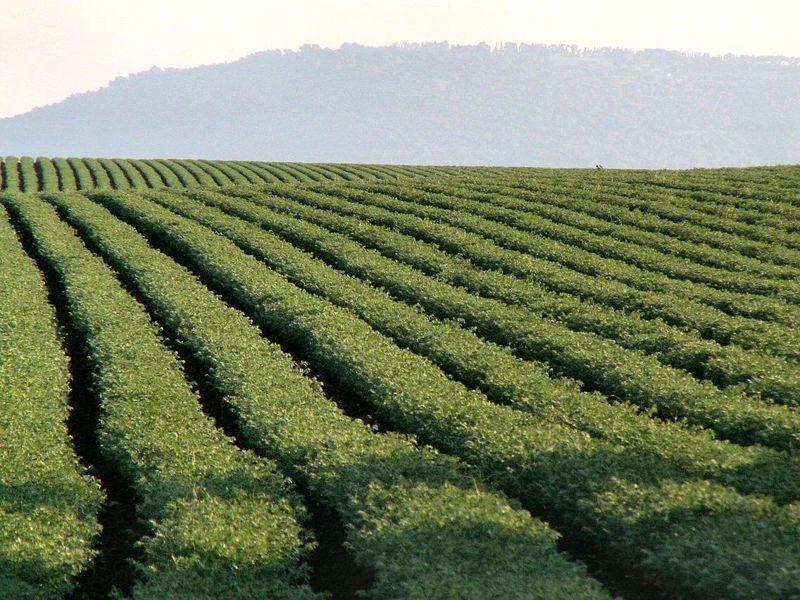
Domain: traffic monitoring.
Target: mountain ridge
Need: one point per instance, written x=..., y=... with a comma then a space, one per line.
x=433, y=103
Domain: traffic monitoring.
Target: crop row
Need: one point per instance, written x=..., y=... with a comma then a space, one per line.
x=465, y=356
x=592, y=211
x=672, y=308
x=582, y=252
x=743, y=198
x=421, y=509
x=753, y=233
x=732, y=207
x=640, y=512
x=225, y=524
x=629, y=376
x=767, y=376
x=48, y=507
x=43, y=174
x=608, y=237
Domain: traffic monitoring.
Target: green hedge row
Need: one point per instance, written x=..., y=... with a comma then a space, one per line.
x=461, y=353
x=571, y=254
x=227, y=173
x=197, y=173
x=48, y=177
x=83, y=178
x=642, y=514
x=134, y=177
x=29, y=179
x=248, y=172
x=99, y=175
x=11, y=173
x=225, y=524
x=119, y=180
x=628, y=375
x=653, y=212
x=674, y=309
x=750, y=205
x=591, y=213
x=417, y=519
x=755, y=229
x=66, y=178
x=151, y=177
x=48, y=506
x=754, y=373
x=91, y=173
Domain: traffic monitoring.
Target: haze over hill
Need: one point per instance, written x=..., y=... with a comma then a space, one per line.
x=437, y=104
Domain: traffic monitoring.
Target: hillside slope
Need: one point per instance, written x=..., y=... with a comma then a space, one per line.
x=435, y=104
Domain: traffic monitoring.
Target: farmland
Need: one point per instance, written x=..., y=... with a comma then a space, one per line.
x=285, y=380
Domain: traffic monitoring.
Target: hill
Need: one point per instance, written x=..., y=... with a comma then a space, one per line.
x=437, y=104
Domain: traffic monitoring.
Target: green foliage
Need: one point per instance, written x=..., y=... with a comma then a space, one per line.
x=462, y=354
x=11, y=174
x=630, y=376
x=29, y=179
x=197, y=172
x=83, y=177
x=66, y=178
x=580, y=341
x=48, y=506
x=118, y=178
x=47, y=174
x=343, y=462
x=565, y=269
x=562, y=471
x=212, y=507
x=100, y=176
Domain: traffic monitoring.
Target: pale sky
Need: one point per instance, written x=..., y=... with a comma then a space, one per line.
x=50, y=49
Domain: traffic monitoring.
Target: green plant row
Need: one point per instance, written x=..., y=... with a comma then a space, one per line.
x=184, y=175
x=99, y=175
x=232, y=176
x=225, y=524
x=29, y=179
x=48, y=178
x=10, y=173
x=66, y=178
x=748, y=204
x=586, y=215
x=570, y=253
x=167, y=177
x=591, y=211
x=771, y=185
x=734, y=206
x=48, y=506
x=270, y=173
x=672, y=308
x=152, y=176
x=199, y=175
x=642, y=515
x=26, y=175
x=252, y=175
x=626, y=374
x=116, y=176
x=416, y=519
x=773, y=213
x=714, y=224
x=134, y=176
x=770, y=377
x=83, y=178
x=483, y=365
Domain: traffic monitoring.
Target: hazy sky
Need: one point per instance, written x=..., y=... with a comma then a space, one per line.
x=53, y=48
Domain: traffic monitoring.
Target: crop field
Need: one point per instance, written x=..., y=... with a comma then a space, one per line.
x=279, y=380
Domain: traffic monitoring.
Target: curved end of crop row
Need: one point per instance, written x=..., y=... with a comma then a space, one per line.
x=49, y=175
